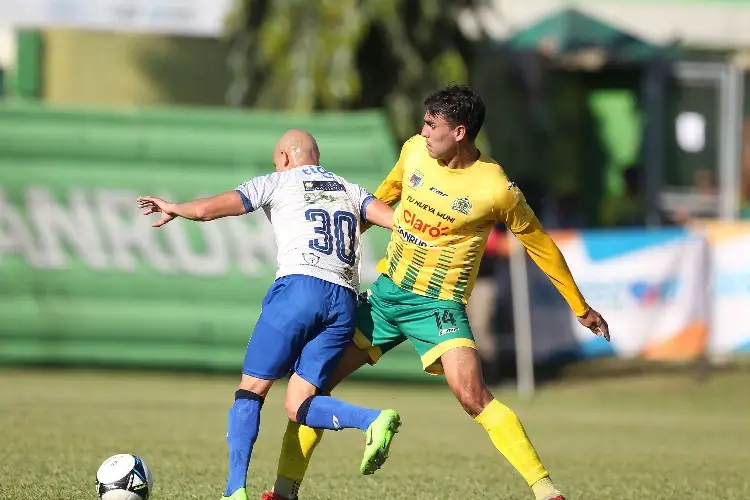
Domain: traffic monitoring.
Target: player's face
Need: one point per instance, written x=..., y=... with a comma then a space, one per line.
x=441, y=137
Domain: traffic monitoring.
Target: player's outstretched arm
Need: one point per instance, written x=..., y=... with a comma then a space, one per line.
x=379, y=213
x=547, y=255
x=202, y=209
x=389, y=191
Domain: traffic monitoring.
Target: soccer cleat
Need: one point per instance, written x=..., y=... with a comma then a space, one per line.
x=240, y=494
x=270, y=495
x=560, y=497
x=378, y=441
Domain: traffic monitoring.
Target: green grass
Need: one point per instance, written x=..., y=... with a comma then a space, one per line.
x=652, y=437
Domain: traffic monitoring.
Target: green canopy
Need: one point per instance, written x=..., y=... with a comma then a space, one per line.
x=570, y=30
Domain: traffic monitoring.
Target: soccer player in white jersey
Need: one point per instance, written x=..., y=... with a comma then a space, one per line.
x=308, y=315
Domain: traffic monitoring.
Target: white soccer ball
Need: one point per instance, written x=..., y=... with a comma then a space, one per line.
x=124, y=477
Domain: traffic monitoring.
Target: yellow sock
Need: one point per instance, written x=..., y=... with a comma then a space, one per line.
x=510, y=439
x=296, y=450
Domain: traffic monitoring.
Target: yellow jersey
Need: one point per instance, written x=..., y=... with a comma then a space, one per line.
x=444, y=219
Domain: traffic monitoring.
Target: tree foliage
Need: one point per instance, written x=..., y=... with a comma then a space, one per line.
x=306, y=55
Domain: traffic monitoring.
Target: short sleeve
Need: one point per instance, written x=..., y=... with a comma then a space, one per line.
x=511, y=208
x=389, y=191
x=361, y=197
x=258, y=192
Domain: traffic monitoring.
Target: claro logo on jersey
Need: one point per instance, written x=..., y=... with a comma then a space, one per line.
x=418, y=227
x=424, y=227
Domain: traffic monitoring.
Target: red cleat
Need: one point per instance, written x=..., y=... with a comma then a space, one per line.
x=556, y=498
x=270, y=495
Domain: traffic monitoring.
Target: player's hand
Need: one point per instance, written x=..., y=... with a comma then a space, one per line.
x=594, y=322
x=153, y=205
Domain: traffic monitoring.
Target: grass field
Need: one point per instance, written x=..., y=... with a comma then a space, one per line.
x=664, y=437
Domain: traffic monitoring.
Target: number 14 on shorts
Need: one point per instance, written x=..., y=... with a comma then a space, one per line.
x=445, y=321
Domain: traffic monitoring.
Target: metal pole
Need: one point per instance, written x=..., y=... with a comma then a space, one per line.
x=728, y=80
x=653, y=89
x=731, y=139
x=519, y=285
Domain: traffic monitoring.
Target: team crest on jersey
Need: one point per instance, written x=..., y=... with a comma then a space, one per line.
x=311, y=259
x=462, y=205
x=416, y=179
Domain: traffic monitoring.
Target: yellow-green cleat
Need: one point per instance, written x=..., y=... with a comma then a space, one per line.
x=378, y=439
x=240, y=494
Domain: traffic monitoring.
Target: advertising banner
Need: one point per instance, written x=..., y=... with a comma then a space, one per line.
x=183, y=17
x=652, y=287
x=85, y=279
x=730, y=287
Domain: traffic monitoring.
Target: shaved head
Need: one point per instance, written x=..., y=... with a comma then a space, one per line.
x=294, y=149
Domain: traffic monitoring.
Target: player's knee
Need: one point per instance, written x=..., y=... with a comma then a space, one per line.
x=249, y=395
x=291, y=411
x=296, y=405
x=296, y=410
x=291, y=405
x=473, y=396
x=470, y=403
x=298, y=393
x=255, y=385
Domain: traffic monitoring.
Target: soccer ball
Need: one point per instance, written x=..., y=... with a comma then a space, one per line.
x=124, y=477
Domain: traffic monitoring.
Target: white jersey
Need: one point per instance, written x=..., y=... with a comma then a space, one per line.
x=316, y=218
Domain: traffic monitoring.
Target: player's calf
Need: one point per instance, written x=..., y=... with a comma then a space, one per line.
x=464, y=375
x=300, y=441
x=242, y=432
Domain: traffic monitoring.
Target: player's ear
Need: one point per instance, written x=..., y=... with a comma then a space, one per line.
x=459, y=133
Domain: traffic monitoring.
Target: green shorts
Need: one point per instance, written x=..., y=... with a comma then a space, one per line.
x=391, y=315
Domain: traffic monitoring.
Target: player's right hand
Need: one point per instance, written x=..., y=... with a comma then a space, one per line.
x=153, y=205
x=594, y=322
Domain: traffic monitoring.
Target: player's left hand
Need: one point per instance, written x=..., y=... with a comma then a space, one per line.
x=153, y=205
x=594, y=322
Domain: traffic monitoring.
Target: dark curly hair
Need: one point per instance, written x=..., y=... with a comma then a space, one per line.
x=458, y=105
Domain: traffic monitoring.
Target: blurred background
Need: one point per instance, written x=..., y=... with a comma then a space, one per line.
x=625, y=122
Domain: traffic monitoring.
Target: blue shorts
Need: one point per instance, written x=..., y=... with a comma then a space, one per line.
x=305, y=325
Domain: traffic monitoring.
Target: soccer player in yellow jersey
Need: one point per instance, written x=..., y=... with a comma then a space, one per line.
x=450, y=196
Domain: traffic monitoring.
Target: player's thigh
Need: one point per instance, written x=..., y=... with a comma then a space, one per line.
x=281, y=330
x=375, y=333
x=321, y=354
x=434, y=327
x=352, y=360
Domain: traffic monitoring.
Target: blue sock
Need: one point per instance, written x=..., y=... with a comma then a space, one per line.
x=325, y=412
x=244, y=423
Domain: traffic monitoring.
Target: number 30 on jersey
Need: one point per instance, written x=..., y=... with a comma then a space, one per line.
x=343, y=237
